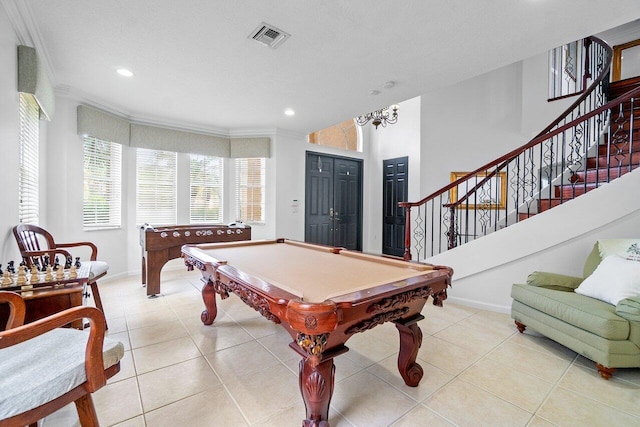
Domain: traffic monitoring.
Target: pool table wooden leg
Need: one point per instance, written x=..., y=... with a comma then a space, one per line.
x=211, y=308
x=316, y=386
x=410, y=342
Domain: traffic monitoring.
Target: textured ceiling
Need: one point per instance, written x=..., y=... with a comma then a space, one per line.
x=195, y=67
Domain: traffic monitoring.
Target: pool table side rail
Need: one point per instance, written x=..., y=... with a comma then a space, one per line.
x=281, y=306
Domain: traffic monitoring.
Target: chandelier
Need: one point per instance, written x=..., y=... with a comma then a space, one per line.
x=382, y=117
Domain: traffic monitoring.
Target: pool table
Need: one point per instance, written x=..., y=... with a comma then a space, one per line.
x=322, y=296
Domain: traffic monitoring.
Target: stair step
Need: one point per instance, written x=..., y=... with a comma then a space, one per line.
x=602, y=148
x=569, y=191
x=546, y=204
x=524, y=215
x=603, y=174
x=614, y=161
x=623, y=86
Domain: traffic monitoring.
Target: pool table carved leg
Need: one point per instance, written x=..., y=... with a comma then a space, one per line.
x=316, y=385
x=211, y=308
x=410, y=342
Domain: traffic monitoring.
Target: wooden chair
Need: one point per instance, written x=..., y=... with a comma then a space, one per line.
x=44, y=367
x=35, y=243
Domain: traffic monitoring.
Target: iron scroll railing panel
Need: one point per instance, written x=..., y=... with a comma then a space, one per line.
x=555, y=166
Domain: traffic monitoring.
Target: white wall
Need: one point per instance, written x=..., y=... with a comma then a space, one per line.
x=9, y=145
x=62, y=214
x=398, y=140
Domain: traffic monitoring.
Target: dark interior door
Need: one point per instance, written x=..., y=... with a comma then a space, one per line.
x=333, y=214
x=394, y=190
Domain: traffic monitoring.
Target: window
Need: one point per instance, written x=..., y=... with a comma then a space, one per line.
x=205, y=189
x=102, y=184
x=343, y=135
x=250, y=189
x=155, y=187
x=28, y=179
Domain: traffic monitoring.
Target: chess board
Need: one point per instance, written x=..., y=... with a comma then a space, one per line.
x=39, y=280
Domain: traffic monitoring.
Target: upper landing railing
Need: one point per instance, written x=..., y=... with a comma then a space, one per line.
x=523, y=182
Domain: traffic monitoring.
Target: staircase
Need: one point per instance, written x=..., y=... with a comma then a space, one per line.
x=610, y=160
x=596, y=140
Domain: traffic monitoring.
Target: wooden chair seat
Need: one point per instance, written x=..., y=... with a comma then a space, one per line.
x=44, y=367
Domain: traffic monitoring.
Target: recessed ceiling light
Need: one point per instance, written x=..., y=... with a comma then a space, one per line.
x=289, y=112
x=124, y=72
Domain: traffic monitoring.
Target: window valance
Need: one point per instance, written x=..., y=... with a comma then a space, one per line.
x=97, y=123
x=32, y=79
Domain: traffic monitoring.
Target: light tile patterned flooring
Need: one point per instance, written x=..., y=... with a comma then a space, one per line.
x=240, y=372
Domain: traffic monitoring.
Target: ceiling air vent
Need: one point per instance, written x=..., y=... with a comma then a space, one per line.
x=268, y=35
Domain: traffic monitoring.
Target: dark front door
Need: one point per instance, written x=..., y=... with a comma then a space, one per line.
x=333, y=199
x=394, y=190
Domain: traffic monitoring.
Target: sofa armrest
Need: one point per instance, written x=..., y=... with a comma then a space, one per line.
x=629, y=308
x=559, y=282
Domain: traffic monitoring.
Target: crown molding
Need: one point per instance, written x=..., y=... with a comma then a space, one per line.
x=27, y=32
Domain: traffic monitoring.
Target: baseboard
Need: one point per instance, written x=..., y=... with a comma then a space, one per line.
x=480, y=305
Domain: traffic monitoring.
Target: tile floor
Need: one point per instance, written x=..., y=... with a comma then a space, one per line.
x=240, y=372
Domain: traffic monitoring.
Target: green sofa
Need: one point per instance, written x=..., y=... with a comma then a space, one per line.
x=605, y=333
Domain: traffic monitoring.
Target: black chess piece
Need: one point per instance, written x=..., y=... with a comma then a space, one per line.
x=68, y=260
x=45, y=262
x=1, y=273
x=23, y=263
x=36, y=262
x=56, y=263
x=10, y=268
x=78, y=263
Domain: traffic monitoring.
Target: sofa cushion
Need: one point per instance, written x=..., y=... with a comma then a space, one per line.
x=560, y=282
x=38, y=370
x=586, y=313
x=615, y=278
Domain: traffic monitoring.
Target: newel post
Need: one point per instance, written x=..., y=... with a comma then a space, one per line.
x=407, y=233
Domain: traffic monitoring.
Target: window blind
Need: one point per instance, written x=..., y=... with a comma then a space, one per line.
x=28, y=189
x=102, y=184
x=250, y=190
x=156, y=187
x=206, y=189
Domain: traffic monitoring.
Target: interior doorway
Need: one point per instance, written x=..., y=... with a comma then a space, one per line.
x=333, y=201
x=395, y=186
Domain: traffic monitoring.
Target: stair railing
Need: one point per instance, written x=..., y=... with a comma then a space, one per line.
x=522, y=182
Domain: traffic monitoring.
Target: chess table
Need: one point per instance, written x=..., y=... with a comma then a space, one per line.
x=322, y=296
x=44, y=298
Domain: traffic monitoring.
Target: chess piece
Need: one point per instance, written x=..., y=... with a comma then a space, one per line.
x=6, y=278
x=1, y=270
x=48, y=276
x=10, y=268
x=73, y=272
x=59, y=272
x=56, y=263
x=68, y=260
x=35, y=278
x=22, y=276
x=78, y=263
x=45, y=262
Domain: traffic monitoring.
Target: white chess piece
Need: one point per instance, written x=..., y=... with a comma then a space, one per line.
x=48, y=276
x=73, y=272
x=35, y=278
x=6, y=278
x=22, y=276
x=60, y=273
